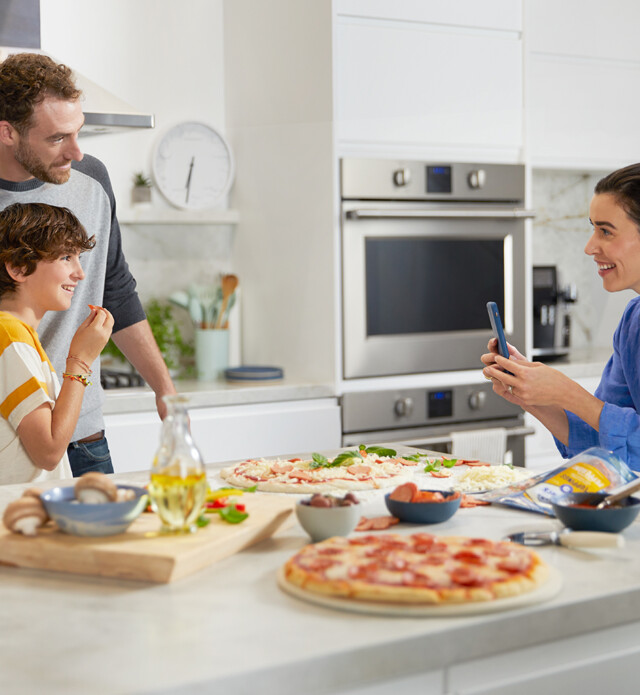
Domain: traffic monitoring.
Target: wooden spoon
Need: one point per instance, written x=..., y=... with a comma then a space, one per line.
x=229, y=284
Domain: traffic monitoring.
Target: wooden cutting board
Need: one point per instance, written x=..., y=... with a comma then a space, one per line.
x=143, y=552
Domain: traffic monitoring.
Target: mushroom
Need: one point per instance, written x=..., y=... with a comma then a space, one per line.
x=25, y=515
x=125, y=494
x=95, y=488
x=32, y=492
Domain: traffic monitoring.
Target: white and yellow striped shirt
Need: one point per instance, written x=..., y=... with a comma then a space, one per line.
x=27, y=380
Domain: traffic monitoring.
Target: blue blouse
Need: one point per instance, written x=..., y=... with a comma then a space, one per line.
x=619, y=388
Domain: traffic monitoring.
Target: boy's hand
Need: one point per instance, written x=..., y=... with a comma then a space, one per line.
x=92, y=334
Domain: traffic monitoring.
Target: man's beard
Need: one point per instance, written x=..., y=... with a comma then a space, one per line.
x=31, y=163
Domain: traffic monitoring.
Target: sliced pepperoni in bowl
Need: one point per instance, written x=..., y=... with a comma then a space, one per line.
x=422, y=506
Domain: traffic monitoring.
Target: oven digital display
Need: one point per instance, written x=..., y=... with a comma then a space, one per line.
x=438, y=179
x=440, y=404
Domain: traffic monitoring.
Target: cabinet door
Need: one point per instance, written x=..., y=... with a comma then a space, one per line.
x=230, y=432
x=581, y=101
x=407, y=86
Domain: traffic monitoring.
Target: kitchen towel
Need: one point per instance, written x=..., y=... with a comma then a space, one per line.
x=488, y=445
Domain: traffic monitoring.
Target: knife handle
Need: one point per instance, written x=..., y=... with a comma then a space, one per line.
x=590, y=539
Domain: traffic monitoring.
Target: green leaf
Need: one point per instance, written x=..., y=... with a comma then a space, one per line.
x=202, y=521
x=231, y=515
x=345, y=458
x=449, y=463
x=253, y=488
x=415, y=457
x=380, y=451
x=435, y=466
x=319, y=461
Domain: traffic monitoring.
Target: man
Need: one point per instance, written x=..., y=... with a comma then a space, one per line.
x=41, y=161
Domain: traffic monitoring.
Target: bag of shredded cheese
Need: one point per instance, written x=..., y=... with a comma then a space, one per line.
x=590, y=471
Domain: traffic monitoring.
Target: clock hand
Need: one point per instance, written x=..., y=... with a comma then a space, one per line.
x=189, y=178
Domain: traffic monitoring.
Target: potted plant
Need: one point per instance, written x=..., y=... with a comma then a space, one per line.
x=176, y=352
x=141, y=192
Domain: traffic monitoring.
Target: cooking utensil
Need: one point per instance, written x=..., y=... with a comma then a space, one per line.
x=568, y=539
x=619, y=493
x=229, y=284
x=224, y=321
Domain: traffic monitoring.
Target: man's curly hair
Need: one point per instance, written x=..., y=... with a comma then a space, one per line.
x=25, y=80
x=34, y=232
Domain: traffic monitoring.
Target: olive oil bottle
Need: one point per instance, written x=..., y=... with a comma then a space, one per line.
x=178, y=486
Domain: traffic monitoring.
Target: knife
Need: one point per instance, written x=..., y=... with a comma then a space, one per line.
x=568, y=539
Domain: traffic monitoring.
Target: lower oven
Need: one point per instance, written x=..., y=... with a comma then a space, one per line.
x=427, y=417
x=425, y=246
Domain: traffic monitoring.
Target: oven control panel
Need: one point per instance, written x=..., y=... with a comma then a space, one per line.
x=402, y=408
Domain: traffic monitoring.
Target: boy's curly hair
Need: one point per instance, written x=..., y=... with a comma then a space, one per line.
x=34, y=232
x=25, y=80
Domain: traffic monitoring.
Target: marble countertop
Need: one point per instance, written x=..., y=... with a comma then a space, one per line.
x=230, y=626
x=208, y=394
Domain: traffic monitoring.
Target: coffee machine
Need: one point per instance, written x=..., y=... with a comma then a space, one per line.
x=551, y=315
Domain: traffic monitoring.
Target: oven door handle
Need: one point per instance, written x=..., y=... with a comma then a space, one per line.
x=447, y=438
x=361, y=214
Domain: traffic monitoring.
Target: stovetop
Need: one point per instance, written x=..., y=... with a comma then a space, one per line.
x=114, y=379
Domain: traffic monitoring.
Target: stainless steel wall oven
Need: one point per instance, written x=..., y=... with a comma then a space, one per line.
x=424, y=248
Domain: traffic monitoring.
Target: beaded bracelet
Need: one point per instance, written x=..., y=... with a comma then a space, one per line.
x=86, y=367
x=82, y=378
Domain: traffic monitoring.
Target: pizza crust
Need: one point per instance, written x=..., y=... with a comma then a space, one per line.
x=259, y=473
x=331, y=567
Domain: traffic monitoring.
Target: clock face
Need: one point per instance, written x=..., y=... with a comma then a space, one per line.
x=193, y=166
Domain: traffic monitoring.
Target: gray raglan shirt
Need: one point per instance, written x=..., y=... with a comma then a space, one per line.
x=107, y=282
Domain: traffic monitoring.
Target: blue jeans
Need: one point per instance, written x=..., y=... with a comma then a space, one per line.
x=90, y=456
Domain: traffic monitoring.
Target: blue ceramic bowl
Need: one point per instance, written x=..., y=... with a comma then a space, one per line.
x=425, y=512
x=81, y=519
x=611, y=519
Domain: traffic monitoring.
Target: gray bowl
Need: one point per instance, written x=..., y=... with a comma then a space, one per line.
x=610, y=519
x=325, y=522
x=80, y=519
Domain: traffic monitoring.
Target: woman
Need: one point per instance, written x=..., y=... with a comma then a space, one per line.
x=610, y=418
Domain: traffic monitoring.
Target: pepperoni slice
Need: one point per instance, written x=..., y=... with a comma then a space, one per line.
x=465, y=576
x=380, y=523
x=439, y=474
x=473, y=557
x=469, y=502
x=364, y=524
x=515, y=563
x=404, y=493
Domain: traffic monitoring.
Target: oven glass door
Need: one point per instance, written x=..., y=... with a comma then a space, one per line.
x=415, y=289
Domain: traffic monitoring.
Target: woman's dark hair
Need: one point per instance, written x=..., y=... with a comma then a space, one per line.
x=624, y=184
x=34, y=232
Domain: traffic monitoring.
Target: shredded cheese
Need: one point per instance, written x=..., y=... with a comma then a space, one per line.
x=488, y=478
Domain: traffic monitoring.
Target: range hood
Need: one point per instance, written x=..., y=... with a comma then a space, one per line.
x=103, y=112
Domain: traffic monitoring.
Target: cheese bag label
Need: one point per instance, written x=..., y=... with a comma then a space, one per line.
x=590, y=471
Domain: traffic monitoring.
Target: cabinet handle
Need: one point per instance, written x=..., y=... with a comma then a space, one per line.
x=449, y=213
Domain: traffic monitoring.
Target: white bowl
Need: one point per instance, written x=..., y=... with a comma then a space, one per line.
x=325, y=522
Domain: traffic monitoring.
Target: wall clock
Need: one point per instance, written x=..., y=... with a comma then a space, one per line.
x=193, y=166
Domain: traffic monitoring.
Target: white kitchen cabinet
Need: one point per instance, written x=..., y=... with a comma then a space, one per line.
x=589, y=663
x=230, y=432
x=426, y=76
x=580, y=100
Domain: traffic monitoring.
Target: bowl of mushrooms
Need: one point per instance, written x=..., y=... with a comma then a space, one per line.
x=95, y=506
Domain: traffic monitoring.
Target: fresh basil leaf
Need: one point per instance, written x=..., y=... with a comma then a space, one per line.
x=380, y=451
x=416, y=458
x=253, y=488
x=345, y=457
x=202, y=521
x=319, y=461
x=231, y=515
x=449, y=463
x=434, y=466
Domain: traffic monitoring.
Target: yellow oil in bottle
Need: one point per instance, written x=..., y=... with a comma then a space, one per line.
x=178, y=500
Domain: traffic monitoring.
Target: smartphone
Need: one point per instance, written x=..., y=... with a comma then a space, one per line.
x=498, y=331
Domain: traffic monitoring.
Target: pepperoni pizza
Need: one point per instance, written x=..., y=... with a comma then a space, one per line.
x=416, y=569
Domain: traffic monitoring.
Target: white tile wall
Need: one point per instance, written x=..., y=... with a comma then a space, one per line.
x=561, y=230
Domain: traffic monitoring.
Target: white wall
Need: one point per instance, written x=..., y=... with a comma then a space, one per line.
x=162, y=56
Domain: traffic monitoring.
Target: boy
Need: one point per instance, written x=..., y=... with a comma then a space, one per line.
x=40, y=247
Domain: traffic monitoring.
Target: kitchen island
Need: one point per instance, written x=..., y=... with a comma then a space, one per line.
x=229, y=628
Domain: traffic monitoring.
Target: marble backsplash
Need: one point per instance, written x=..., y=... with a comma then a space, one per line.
x=561, y=230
